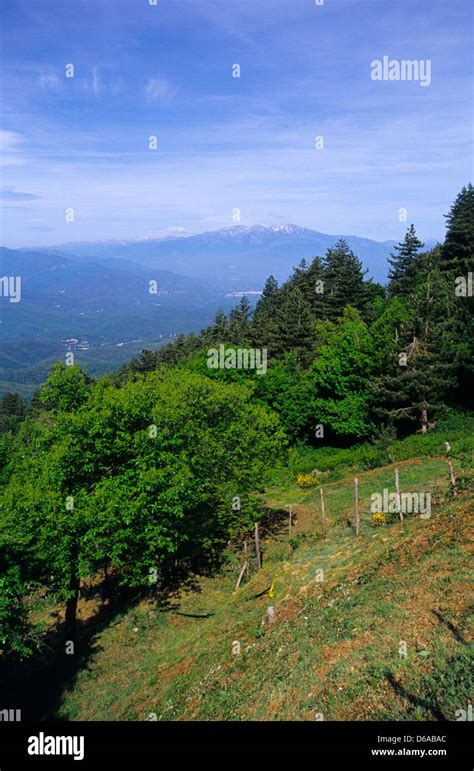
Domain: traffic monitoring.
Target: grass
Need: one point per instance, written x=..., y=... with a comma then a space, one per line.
x=334, y=648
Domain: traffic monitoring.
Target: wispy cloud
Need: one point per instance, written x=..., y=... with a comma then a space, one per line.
x=226, y=143
x=11, y=194
x=10, y=146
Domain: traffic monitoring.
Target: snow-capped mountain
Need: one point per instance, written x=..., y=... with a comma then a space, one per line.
x=235, y=256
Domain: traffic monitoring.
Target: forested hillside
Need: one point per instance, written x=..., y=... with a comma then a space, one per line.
x=130, y=487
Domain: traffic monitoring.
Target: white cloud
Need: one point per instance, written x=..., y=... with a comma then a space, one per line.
x=10, y=142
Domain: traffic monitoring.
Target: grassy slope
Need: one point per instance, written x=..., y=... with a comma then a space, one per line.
x=334, y=646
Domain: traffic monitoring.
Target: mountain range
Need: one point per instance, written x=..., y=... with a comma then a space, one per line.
x=94, y=297
x=235, y=255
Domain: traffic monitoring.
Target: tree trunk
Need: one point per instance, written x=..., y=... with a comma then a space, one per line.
x=71, y=607
x=424, y=421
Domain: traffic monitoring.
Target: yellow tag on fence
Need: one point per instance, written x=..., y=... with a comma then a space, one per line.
x=272, y=588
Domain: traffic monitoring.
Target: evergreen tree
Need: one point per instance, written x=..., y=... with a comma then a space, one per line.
x=239, y=323
x=311, y=284
x=402, y=273
x=146, y=362
x=415, y=351
x=297, y=277
x=413, y=388
x=457, y=263
x=343, y=281
x=457, y=251
x=218, y=332
x=295, y=325
x=375, y=300
x=270, y=289
x=264, y=326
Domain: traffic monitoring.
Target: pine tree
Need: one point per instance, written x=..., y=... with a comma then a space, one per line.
x=457, y=251
x=414, y=389
x=457, y=263
x=296, y=325
x=375, y=297
x=270, y=289
x=297, y=277
x=146, y=362
x=239, y=323
x=343, y=281
x=218, y=332
x=402, y=273
x=264, y=326
x=416, y=351
x=311, y=284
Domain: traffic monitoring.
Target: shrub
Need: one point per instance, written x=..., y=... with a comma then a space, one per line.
x=307, y=480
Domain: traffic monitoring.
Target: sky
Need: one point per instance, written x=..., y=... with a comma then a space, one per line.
x=230, y=147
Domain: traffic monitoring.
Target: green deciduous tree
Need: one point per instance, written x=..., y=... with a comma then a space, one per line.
x=134, y=475
x=341, y=375
x=66, y=387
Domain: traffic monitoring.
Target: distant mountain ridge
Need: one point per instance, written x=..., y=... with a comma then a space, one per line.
x=97, y=293
x=104, y=305
x=235, y=257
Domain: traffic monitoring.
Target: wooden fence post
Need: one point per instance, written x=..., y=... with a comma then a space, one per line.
x=244, y=567
x=323, y=512
x=289, y=522
x=357, y=513
x=452, y=475
x=246, y=552
x=397, y=488
x=257, y=547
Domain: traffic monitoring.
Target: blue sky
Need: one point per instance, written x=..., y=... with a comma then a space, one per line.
x=229, y=143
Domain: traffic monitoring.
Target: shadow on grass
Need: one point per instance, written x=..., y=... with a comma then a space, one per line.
x=414, y=700
x=36, y=685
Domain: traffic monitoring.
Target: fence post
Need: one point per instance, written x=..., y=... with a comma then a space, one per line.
x=244, y=567
x=257, y=547
x=357, y=513
x=452, y=475
x=246, y=552
x=289, y=522
x=397, y=488
x=323, y=512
